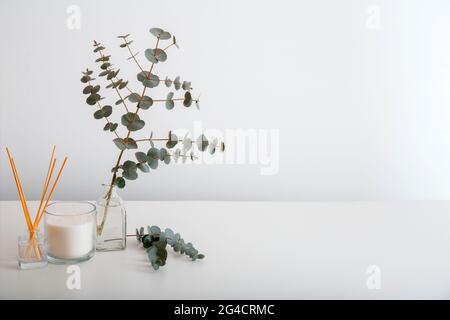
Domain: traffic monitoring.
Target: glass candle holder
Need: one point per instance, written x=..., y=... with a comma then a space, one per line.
x=32, y=250
x=71, y=230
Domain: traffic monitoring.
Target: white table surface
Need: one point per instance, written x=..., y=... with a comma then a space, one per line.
x=263, y=250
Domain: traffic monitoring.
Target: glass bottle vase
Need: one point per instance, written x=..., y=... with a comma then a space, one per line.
x=111, y=221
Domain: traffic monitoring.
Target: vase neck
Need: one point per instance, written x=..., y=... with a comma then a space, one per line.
x=108, y=189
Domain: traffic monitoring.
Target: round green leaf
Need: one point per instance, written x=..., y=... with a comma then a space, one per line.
x=85, y=79
x=202, y=143
x=98, y=114
x=172, y=142
x=107, y=126
x=130, y=175
x=132, y=121
x=95, y=89
x=153, y=163
x=129, y=165
x=93, y=99
x=146, y=102
x=141, y=157
x=130, y=143
x=143, y=167
x=165, y=35
x=170, y=104
x=120, y=143
x=186, y=85
x=187, y=99
x=107, y=111
x=134, y=97
x=153, y=153
x=177, y=83
x=87, y=89
x=120, y=182
x=155, y=55
x=160, y=54
x=113, y=127
x=156, y=31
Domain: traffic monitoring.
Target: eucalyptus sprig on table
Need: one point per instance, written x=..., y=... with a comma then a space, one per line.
x=149, y=160
x=156, y=241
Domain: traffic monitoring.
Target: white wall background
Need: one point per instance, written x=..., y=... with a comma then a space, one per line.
x=362, y=112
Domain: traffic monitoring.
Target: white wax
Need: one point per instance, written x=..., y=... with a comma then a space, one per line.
x=70, y=237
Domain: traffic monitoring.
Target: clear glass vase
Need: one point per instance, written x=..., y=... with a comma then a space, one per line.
x=111, y=221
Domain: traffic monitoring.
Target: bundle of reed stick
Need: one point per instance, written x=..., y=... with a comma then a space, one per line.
x=46, y=196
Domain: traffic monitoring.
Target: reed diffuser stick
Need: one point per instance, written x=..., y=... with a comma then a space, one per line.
x=51, y=191
x=23, y=201
x=51, y=166
x=20, y=191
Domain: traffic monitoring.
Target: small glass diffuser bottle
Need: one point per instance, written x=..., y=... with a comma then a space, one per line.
x=111, y=221
x=32, y=251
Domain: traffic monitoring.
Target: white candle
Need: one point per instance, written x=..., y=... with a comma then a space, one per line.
x=70, y=236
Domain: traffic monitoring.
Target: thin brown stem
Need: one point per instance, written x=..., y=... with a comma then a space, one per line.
x=175, y=99
x=112, y=82
x=114, y=176
x=133, y=55
x=168, y=46
x=156, y=139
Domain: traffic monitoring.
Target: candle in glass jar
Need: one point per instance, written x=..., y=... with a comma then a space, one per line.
x=70, y=233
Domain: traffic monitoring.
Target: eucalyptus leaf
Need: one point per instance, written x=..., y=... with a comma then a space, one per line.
x=176, y=155
x=129, y=165
x=87, y=89
x=113, y=127
x=130, y=143
x=187, y=99
x=143, y=167
x=155, y=55
x=172, y=142
x=134, y=97
x=187, y=143
x=85, y=79
x=120, y=143
x=107, y=126
x=141, y=157
x=153, y=163
x=120, y=182
x=132, y=121
x=202, y=142
x=146, y=103
x=186, y=85
x=98, y=114
x=165, y=35
x=107, y=111
x=170, y=104
x=123, y=84
x=95, y=89
x=177, y=83
x=156, y=31
x=93, y=99
x=130, y=175
x=153, y=154
x=105, y=65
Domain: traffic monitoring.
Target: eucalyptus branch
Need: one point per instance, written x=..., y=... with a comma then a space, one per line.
x=106, y=118
x=127, y=45
x=128, y=169
x=156, y=241
x=114, y=177
x=114, y=86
